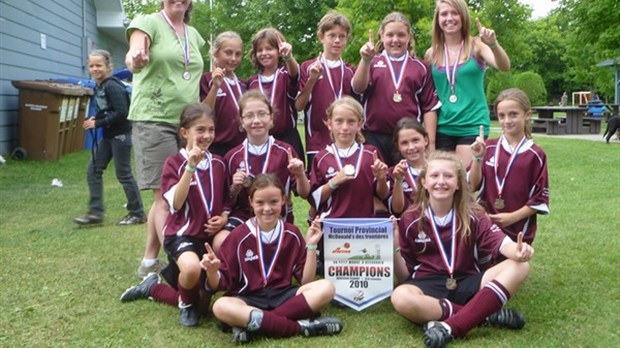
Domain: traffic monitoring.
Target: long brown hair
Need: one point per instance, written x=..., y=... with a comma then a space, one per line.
x=438, y=36
x=189, y=115
x=397, y=17
x=270, y=35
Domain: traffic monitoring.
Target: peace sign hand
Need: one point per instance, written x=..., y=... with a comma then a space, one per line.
x=210, y=262
x=486, y=35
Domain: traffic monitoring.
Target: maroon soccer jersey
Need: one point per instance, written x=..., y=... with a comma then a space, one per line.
x=226, y=109
x=282, y=96
x=211, y=192
x=249, y=264
x=420, y=250
x=354, y=198
x=277, y=163
x=526, y=184
x=417, y=93
x=323, y=94
x=409, y=187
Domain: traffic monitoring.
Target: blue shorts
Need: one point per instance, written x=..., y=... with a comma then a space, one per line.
x=467, y=287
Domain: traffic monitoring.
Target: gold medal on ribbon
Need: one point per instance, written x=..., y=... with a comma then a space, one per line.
x=499, y=203
x=451, y=283
x=247, y=181
x=349, y=170
x=397, y=98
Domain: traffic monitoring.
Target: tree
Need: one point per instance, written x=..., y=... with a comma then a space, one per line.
x=533, y=85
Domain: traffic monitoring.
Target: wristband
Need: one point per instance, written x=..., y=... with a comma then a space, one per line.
x=478, y=158
x=286, y=58
x=400, y=181
x=367, y=60
x=190, y=169
x=311, y=246
x=495, y=45
x=332, y=185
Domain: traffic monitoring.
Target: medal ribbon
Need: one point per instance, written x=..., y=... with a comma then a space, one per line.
x=396, y=81
x=246, y=156
x=272, y=92
x=412, y=176
x=513, y=157
x=267, y=269
x=330, y=79
x=449, y=263
x=358, y=162
x=446, y=61
x=208, y=203
x=234, y=96
x=186, y=48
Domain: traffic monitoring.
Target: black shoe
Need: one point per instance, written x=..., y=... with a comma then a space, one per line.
x=436, y=335
x=240, y=335
x=88, y=219
x=132, y=220
x=141, y=290
x=188, y=316
x=320, y=326
x=506, y=318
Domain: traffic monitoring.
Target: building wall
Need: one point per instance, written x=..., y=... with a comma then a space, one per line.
x=70, y=30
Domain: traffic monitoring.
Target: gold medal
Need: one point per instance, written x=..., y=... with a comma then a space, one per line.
x=451, y=283
x=247, y=181
x=397, y=98
x=499, y=203
x=349, y=170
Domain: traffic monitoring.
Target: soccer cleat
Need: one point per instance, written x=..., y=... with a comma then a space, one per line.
x=88, y=219
x=131, y=220
x=240, y=335
x=506, y=318
x=156, y=268
x=320, y=326
x=436, y=335
x=188, y=315
x=141, y=290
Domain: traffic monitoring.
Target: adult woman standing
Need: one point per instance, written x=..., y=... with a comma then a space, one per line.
x=458, y=65
x=165, y=59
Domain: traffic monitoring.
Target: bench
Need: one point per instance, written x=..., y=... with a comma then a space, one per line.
x=549, y=126
x=592, y=125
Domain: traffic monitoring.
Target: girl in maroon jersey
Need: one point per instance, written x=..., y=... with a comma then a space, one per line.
x=255, y=266
x=221, y=90
x=193, y=184
x=441, y=237
x=511, y=172
x=261, y=153
x=395, y=84
x=277, y=78
x=411, y=141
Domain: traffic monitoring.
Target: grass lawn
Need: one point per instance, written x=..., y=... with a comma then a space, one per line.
x=61, y=284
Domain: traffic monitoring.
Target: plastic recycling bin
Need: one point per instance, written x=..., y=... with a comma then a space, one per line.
x=51, y=117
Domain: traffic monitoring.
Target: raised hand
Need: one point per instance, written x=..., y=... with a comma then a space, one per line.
x=400, y=170
x=140, y=57
x=478, y=147
x=295, y=165
x=379, y=169
x=314, y=234
x=524, y=251
x=196, y=154
x=486, y=35
x=217, y=76
x=316, y=69
x=368, y=50
x=210, y=262
x=285, y=48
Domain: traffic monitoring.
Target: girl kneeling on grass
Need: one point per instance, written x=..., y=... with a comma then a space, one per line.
x=193, y=184
x=441, y=237
x=255, y=266
x=511, y=172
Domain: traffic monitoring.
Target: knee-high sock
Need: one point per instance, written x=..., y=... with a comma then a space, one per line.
x=278, y=325
x=295, y=308
x=190, y=296
x=165, y=294
x=487, y=301
x=448, y=308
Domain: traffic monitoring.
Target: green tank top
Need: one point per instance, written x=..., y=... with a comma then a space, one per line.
x=464, y=117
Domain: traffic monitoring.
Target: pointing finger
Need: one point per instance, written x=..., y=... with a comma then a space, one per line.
x=374, y=156
x=209, y=249
x=280, y=41
x=520, y=242
x=371, y=36
x=481, y=131
x=290, y=154
x=479, y=26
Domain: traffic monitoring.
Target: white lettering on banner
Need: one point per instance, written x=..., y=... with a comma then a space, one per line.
x=359, y=259
x=35, y=107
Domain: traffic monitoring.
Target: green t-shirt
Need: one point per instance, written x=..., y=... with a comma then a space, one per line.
x=464, y=117
x=159, y=91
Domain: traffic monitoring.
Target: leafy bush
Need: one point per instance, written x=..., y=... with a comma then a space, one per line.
x=498, y=82
x=533, y=85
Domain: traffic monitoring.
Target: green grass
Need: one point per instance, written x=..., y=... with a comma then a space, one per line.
x=61, y=284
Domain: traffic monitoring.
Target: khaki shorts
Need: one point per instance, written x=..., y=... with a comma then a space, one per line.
x=153, y=142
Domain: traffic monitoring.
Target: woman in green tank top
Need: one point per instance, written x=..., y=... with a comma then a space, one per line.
x=458, y=65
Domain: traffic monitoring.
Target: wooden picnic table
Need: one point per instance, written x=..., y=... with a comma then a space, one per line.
x=574, y=121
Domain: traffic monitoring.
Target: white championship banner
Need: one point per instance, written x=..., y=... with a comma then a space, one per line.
x=359, y=259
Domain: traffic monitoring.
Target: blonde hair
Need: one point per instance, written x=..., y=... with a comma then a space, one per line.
x=270, y=35
x=354, y=106
x=220, y=39
x=438, y=36
x=464, y=203
x=520, y=98
x=396, y=17
x=332, y=19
